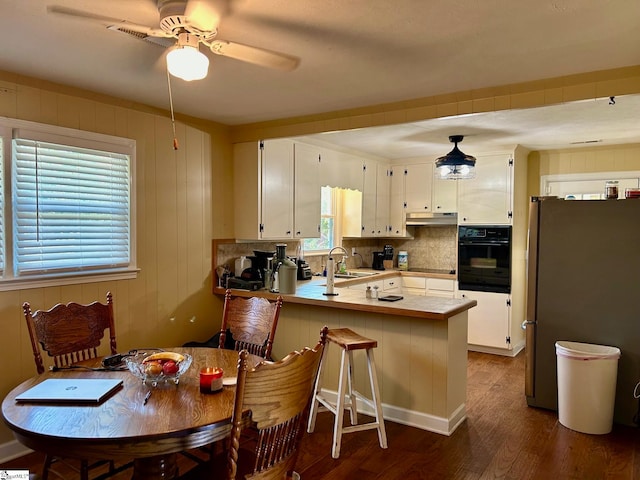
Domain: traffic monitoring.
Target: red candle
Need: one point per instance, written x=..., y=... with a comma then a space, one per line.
x=211, y=379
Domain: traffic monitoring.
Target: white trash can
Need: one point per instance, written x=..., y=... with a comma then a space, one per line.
x=587, y=376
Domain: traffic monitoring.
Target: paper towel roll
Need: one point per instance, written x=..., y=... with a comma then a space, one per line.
x=331, y=275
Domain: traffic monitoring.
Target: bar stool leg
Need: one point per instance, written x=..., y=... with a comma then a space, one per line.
x=337, y=426
x=382, y=433
x=352, y=397
x=315, y=403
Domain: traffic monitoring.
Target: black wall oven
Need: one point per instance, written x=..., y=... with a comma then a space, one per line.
x=484, y=258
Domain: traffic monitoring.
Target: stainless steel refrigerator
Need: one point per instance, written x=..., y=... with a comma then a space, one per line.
x=583, y=272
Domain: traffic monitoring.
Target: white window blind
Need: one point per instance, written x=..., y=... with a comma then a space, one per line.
x=71, y=208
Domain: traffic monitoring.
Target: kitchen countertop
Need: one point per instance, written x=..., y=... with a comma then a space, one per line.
x=311, y=292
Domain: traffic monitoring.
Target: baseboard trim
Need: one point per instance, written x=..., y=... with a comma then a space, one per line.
x=411, y=418
x=515, y=350
x=12, y=450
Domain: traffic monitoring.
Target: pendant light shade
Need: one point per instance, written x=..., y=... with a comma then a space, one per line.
x=186, y=61
x=455, y=165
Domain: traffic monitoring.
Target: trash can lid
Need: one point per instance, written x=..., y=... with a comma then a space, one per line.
x=586, y=351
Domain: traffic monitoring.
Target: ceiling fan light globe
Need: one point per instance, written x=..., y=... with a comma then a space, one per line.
x=187, y=62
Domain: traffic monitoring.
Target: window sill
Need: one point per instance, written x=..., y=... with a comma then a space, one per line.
x=41, y=281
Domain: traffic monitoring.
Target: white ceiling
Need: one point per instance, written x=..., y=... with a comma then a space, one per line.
x=354, y=53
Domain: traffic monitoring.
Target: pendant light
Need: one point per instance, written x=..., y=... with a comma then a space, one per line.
x=455, y=165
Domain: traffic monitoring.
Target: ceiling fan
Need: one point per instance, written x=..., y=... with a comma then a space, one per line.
x=184, y=25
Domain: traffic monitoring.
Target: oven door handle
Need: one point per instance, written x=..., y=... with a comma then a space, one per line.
x=483, y=244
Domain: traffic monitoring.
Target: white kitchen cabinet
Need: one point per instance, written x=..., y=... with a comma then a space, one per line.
x=307, y=194
x=487, y=198
x=277, y=189
x=387, y=285
x=396, y=201
x=264, y=191
x=369, y=186
x=418, y=179
x=489, y=321
x=440, y=287
x=383, y=186
x=369, y=283
x=444, y=198
x=414, y=285
x=392, y=285
x=367, y=214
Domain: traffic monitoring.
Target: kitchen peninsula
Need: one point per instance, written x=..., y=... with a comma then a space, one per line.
x=421, y=357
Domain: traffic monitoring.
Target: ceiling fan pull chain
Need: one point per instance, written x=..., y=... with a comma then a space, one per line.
x=173, y=120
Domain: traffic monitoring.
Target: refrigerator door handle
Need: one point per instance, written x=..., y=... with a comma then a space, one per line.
x=527, y=322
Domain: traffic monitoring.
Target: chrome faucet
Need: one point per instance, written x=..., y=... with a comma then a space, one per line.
x=343, y=253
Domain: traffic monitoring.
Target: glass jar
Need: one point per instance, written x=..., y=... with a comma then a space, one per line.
x=611, y=189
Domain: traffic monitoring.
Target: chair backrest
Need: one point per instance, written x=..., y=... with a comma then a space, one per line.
x=252, y=322
x=278, y=396
x=70, y=333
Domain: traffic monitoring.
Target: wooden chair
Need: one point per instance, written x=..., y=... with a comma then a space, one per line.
x=71, y=333
x=272, y=402
x=247, y=324
x=252, y=323
x=278, y=397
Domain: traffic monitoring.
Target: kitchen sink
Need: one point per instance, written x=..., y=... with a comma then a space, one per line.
x=354, y=274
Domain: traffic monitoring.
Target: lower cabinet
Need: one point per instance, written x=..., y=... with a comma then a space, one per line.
x=392, y=285
x=386, y=285
x=489, y=320
x=438, y=287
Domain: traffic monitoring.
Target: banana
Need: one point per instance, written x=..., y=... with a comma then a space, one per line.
x=164, y=356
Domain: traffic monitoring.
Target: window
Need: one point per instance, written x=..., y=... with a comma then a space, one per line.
x=329, y=221
x=69, y=206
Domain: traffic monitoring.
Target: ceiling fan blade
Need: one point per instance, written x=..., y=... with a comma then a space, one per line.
x=205, y=15
x=110, y=22
x=255, y=55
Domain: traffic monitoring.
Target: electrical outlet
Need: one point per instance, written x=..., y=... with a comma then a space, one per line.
x=353, y=251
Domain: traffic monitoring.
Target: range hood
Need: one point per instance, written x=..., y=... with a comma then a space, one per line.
x=431, y=219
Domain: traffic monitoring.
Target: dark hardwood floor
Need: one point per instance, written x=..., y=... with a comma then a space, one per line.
x=502, y=438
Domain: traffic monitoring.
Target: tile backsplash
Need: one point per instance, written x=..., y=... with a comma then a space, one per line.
x=429, y=247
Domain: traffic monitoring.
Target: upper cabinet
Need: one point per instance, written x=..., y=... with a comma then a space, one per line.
x=383, y=189
x=367, y=227
x=396, y=201
x=487, y=198
x=444, y=194
x=366, y=211
x=307, y=195
x=268, y=184
x=277, y=189
x=417, y=187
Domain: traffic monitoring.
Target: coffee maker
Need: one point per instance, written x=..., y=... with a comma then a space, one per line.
x=378, y=261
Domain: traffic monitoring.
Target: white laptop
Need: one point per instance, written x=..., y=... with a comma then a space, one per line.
x=71, y=390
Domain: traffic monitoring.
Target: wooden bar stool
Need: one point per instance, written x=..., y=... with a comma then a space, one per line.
x=349, y=341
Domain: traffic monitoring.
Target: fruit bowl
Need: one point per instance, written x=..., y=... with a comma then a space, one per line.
x=158, y=367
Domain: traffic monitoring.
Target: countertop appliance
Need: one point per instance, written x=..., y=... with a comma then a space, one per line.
x=484, y=258
x=304, y=270
x=242, y=284
x=378, y=261
x=583, y=285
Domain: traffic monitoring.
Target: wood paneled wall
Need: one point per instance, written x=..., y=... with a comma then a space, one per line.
x=170, y=302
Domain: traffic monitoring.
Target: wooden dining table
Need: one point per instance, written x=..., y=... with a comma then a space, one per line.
x=174, y=418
